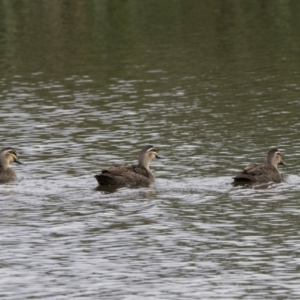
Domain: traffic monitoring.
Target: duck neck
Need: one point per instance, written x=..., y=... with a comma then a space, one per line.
x=144, y=162
x=273, y=163
x=4, y=165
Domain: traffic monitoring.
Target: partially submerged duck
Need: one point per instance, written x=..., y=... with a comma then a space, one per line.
x=255, y=173
x=7, y=156
x=130, y=175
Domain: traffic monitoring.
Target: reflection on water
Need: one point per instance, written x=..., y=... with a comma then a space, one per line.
x=213, y=85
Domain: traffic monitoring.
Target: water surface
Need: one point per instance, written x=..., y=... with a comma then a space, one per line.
x=213, y=85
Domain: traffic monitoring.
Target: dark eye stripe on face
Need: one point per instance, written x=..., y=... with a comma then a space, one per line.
x=13, y=152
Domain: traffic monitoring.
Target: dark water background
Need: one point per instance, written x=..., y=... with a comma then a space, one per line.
x=213, y=85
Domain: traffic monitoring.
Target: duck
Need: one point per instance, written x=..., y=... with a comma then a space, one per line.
x=256, y=173
x=130, y=175
x=7, y=156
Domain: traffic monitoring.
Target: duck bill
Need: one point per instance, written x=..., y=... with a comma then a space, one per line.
x=282, y=163
x=19, y=162
x=157, y=156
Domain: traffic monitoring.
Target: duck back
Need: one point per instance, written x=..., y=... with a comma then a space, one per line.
x=259, y=173
x=124, y=175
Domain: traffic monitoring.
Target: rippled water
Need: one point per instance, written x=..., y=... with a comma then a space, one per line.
x=210, y=103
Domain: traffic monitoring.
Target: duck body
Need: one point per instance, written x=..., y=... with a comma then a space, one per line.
x=256, y=173
x=259, y=173
x=7, y=175
x=125, y=175
x=7, y=156
x=130, y=175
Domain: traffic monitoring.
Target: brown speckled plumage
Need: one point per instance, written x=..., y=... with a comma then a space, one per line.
x=255, y=173
x=130, y=175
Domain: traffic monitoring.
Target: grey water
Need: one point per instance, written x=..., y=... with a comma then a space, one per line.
x=213, y=85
